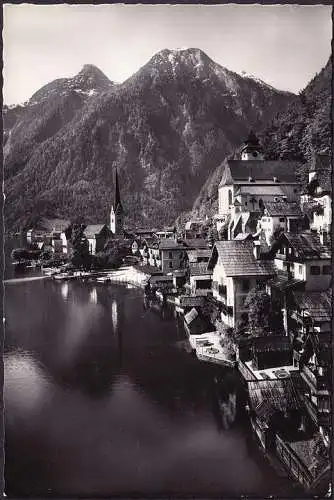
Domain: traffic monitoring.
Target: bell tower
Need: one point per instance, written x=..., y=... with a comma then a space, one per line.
x=252, y=149
x=117, y=212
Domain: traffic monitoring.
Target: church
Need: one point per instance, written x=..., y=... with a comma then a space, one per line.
x=117, y=212
x=248, y=183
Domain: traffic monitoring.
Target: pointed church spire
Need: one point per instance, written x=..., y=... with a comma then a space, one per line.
x=117, y=212
x=117, y=199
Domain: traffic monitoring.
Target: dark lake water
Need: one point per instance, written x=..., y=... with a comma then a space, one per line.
x=102, y=399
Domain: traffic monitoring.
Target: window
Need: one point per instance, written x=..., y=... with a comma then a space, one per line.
x=315, y=270
x=229, y=197
x=281, y=219
x=170, y=255
x=203, y=284
x=170, y=265
x=245, y=285
x=300, y=269
x=327, y=270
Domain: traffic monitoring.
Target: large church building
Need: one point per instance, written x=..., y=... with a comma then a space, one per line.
x=248, y=183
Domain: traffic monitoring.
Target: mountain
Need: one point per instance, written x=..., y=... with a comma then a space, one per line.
x=166, y=129
x=296, y=132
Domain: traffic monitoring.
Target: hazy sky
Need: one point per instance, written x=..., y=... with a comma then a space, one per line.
x=283, y=45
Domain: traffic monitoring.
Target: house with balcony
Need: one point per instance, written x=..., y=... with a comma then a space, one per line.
x=303, y=264
x=236, y=268
x=305, y=258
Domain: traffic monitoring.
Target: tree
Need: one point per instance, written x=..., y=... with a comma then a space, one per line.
x=80, y=248
x=264, y=317
x=258, y=302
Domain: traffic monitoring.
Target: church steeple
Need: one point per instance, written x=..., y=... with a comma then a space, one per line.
x=117, y=199
x=252, y=149
x=117, y=212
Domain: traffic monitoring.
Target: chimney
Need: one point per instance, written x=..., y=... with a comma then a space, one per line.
x=256, y=249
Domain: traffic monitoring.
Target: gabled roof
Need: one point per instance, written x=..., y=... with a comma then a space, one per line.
x=94, y=229
x=170, y=244
x=238, y=259
x=285, y=281
x=271, y=343
x=318, y=305
x=282, y=208
x=199, y=269
x=49, y=225
x=306, y=245
x=195, y=243
x=269, y=396
x=198, y=253
x=259, y=170
x=243, y=236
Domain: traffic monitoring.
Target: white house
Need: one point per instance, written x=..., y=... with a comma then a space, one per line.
x=236, y=269
x=280, y=216
x=304, y=258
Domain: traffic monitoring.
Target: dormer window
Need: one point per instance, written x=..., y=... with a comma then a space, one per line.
x=276, y=179
x=251, y=179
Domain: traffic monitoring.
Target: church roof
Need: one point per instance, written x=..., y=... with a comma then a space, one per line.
x=237, y=171
x=94, y=229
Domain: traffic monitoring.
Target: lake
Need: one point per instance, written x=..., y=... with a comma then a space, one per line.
x=102, y=399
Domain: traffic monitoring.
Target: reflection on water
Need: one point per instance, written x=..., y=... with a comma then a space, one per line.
x=92, y=412
x=114, y=315
x=64, y=290
x=93, y=296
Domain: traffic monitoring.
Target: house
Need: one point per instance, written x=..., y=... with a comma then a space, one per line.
x=97, y=236
x=196, y=323
x=172, y=254
x=47, y=227
x=193, y=229
x=236, y=268
x=168, y=232
x=317, y=198
x=266, y=358
x=274, y=406
x=200, y=278
x=315, y=368
x=308, y=312
x=198, y=255
x=305, y=258
x=249, y=182
x=151, y=253
x=303, y=264
x=280, y=216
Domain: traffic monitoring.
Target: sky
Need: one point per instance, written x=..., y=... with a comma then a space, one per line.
x=284, y=45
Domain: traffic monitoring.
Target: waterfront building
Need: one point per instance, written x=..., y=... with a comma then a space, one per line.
x=236, y=268
x=315, y=369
